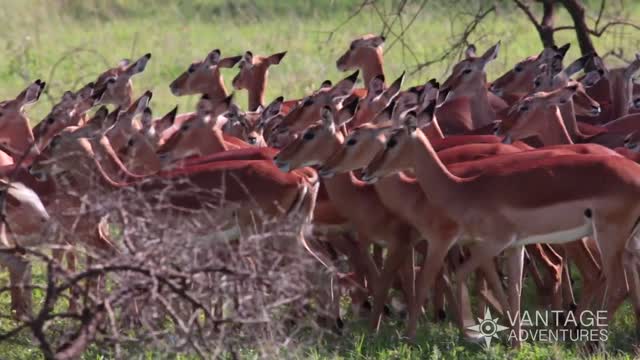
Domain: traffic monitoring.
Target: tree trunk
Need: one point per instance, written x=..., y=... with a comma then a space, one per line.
x=547, y=24
x=576, y=10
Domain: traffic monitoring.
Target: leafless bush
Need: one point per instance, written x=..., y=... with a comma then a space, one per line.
x=177, y=285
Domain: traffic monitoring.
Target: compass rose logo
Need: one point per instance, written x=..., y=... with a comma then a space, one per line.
x=488, y=327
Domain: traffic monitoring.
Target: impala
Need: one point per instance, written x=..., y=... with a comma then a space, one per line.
x=117, y=81
x=493, y=198
x=15, y=133
x=69, y=111
x=204, y=77
x=25, y=224
x=251, y=126
x=518, y=82
x=253, y=76
x=361, y=205
x=308, y=110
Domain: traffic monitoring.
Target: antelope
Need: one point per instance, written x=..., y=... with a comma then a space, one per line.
x=615, y=91
x=117, y=81
x=204, y=77
x=518, y=81
x=250, y=126
x=564, y=207
x=308, y=110
x=360, y=204
x=401, y=196
x=466, y=89
x=252, y=76
x=377, y=99
x=71, y=110
x=16, y=136
x=257, y=187
x=197, y=136
x=396, y=192
x=26, y=223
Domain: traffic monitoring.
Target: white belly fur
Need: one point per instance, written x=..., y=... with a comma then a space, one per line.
x=557, y=237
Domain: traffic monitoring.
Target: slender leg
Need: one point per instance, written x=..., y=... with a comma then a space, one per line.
x=515, y=260
x=397, y=254
x=430, y=268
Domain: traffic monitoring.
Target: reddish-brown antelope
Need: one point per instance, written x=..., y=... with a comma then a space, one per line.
x=493, y=198
x=361, y=205
x=117, y=81
x=204, y=77
x=25, y=224
x=252, y=77
x=70, y=111
x=16, y=136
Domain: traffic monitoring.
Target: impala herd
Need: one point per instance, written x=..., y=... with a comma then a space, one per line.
x=530, y=172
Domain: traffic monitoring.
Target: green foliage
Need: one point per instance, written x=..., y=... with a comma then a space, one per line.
x=68, y=42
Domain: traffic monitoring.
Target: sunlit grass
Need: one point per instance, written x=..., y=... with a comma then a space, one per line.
x=68, y=42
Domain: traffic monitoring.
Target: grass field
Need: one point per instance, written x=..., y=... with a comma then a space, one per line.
x=68, y=42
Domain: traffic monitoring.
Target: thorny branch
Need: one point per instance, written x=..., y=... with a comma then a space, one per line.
x=177, y=287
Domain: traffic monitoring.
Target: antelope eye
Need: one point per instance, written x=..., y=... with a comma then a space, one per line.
x=524, y=108
x=537, y=83
x=351, y=142
x=466, y=71
x=131, y=142
x=184, y=127
x=518, y=68
x=352, y=46
x=391, y=143
x=50, y=120
x=192, y=68
x=308, y=135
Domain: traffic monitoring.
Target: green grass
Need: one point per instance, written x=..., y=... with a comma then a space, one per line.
x=68, y=42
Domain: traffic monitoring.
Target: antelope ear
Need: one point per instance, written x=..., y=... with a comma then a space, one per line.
x=67, y=96
x=376, y=41
x=138, y=66
x=213, y=58
x=124, y=63
x=32, y=93
x=344, y=87
x=348, y=111
x=376, y=85
x=276, y=58
x=327, y=118
x=143, y=102
x=562, y=51
x=147, y=118
x=229, y=62
x=470, y=52
x=491, y=54
x=171, y=115
x=429, y=112
x=394, y=88
x=102, y=112
x=577, y=65
x=274, y=108
x=633, y=67
x=591, y=79
x=411, y=122
x=86, y=91
x=627, y=140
